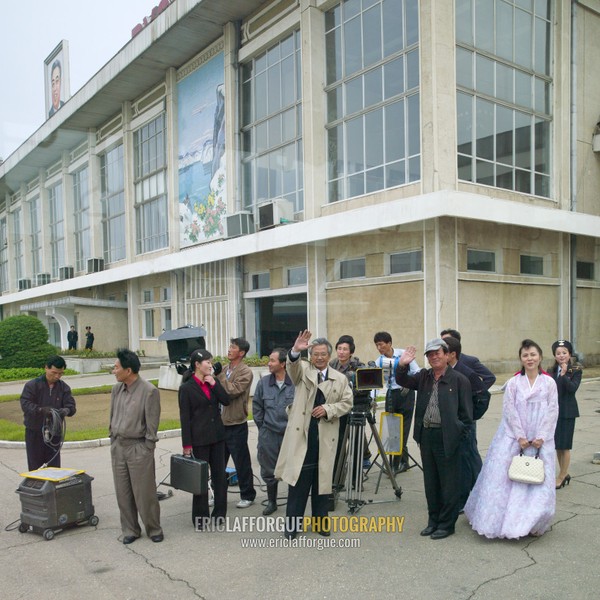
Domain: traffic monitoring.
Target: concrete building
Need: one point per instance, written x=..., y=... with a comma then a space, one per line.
x=259, y=167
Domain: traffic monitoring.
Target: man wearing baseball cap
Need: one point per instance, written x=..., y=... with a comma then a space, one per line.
x=443, y=411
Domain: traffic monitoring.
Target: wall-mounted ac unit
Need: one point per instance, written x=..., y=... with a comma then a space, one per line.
x=42, y=279
x=239, y=223
x=66, y=273
x=275, y=212
x=24, y=284
x=95, y=265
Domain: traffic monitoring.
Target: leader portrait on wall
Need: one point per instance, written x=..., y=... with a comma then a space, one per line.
x=56, y=68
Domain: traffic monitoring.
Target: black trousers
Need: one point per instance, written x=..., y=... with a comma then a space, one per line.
x=236, y=446
x=441, y=474
x=214, y=455
x=37, y=452
x=395, y=402
x=308, y=483
x=471, y=463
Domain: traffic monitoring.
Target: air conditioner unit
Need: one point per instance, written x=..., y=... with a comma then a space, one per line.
x=275, y=212
x=24, y=284
x=66, y=273
x=95, y=265
x=239, y=223
x=42, y=278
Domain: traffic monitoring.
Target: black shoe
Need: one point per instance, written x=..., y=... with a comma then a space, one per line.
x=129, y=539
x=289, y=535
x=402, y=467
x=159, y=537
x=428, y=530
x=324, y=532
x=270, y=508
x=440, y=534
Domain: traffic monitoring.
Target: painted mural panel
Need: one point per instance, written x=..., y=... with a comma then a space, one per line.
x=201, y=125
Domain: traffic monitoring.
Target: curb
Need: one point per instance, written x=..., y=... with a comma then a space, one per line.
x=162, y=435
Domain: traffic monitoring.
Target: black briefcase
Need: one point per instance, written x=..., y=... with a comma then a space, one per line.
x=189, y=474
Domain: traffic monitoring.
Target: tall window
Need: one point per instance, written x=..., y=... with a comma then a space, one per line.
x=504, y=97
x=113, y=204
x=3, y=255
x=57, y=228
x=150, y=186
x=148, y=323
x=82, y=219
x=272, y=125
x=373, y=120
x=35, y=223
x=18, y=244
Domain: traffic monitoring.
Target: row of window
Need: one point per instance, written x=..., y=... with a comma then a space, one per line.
x=411, y=261
x=485, y=260
x=150, y=212
x=373, y=124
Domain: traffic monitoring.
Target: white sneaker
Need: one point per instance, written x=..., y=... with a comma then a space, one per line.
x=245, y=503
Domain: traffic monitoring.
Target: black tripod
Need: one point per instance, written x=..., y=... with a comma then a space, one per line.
x=351, y=457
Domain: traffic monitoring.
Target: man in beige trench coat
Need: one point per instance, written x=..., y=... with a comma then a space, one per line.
x=307, y=453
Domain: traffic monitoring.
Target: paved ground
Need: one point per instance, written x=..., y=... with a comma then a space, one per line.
x=90, y=562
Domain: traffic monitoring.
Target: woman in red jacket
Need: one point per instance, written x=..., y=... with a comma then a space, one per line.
x=202, y=431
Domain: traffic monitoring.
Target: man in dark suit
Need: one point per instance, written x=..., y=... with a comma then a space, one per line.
x=72, y=337
x=472, y=362
x=442, y=413
x=471, y=462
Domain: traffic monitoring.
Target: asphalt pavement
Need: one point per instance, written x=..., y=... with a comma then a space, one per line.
x=90, y=562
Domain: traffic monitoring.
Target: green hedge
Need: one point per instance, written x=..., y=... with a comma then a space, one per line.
x=26, y=373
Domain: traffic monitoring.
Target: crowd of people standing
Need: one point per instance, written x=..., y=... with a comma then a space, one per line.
x=300, y=409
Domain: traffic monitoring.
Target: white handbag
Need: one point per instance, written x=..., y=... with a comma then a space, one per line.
x=527, y=469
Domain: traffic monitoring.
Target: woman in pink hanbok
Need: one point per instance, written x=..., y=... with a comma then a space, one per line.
x=497, y=506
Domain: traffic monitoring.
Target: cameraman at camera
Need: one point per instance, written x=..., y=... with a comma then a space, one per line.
x=398, y=399
x=347, y=364
x=39, y=397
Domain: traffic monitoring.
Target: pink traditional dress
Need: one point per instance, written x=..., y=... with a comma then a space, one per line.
x=497, y=506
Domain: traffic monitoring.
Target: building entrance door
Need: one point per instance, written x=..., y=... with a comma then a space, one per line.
x=278, y=321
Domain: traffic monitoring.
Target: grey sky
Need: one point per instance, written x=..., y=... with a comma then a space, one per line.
x=95, y=29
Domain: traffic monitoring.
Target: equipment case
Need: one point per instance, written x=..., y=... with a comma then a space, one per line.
x=189, y=474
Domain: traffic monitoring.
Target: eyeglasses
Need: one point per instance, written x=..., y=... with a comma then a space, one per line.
x=320, y=354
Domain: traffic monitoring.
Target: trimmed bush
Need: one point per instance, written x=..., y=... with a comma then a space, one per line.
x=24, y=343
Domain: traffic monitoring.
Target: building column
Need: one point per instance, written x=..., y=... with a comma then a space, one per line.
x=437, y=50
x=440, y=276
x=312, y=28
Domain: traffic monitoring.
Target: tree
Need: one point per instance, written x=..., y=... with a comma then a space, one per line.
x=24, y=342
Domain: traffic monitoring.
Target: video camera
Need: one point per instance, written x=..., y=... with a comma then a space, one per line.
x=363, y=382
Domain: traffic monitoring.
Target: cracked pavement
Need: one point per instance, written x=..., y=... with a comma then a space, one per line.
x=90, y=563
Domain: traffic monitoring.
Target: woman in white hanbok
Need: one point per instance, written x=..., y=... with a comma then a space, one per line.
x=497, y=506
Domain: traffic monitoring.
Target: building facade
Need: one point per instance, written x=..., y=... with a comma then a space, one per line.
x=350, y=167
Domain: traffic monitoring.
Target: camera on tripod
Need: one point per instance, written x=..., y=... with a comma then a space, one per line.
x=365, y=380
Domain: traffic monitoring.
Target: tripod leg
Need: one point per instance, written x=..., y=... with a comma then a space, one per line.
x=337, y=479
x=411, y=457
x=354, y=473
